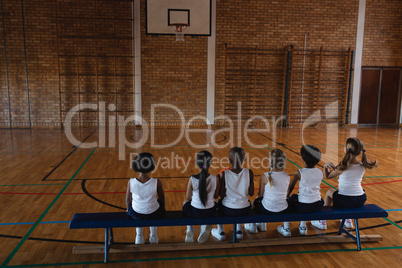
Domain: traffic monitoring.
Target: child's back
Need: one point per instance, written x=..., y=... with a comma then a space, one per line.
x=274, y=198
x=237, y=189
x=210, y=186
x=309, y=185
x=144, y=195
x=350, y=180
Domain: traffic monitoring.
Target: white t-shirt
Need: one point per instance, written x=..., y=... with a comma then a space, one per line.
x=274, y=198
x=211, y=187
x=144, y=196
x=350, y=180
x=309, y=185
x=237, y=189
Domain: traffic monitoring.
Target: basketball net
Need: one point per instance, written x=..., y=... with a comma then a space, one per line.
x=179, y=29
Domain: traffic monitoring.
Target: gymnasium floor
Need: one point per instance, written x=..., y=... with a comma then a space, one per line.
x=45, y=180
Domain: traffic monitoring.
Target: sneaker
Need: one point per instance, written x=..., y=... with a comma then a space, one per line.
x=189, y=236
x=204, y=233
x=303, y=230
x=220, y=236
x=262, y=227
x=153, y=239
x=251, y=227
x=239, y=234
x=321, y=224
x=139, y=240
x=285, y=232
x=348, y=224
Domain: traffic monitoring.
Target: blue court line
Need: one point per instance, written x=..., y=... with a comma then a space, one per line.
x=4, y=264
x=393, y=210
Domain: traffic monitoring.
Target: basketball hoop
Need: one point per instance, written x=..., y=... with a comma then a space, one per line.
x=179, y=29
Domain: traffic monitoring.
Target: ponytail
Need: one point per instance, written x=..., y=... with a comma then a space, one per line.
x=344, y=164
x=366, y=163
x=353, y=148
x=203, y=161
x=270, y=179
x=202, y=190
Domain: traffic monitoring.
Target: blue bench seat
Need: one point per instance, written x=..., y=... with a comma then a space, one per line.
x=110, y=220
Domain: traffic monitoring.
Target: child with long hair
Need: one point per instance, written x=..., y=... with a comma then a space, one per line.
x=142, y=196
x=202, y=190
x=350, y=193
x=235, y=187
x=272, y=195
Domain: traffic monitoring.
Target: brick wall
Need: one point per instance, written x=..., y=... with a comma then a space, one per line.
x=383, y=33
x=172, y=72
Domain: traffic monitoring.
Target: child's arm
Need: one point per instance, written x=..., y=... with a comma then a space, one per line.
x=222, y=188
x=263, y=182
x=251, y=187
x=216, y=195
x=330, y=171
x=189, y=193
x=161, y=194
x=129, y=197
x=292, y=184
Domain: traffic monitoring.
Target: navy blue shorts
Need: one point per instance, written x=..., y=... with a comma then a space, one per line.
x=259, y=208
x=159, y=213
x=345, y=201
x=296, y=206
x=232, y=212
x=192, y=212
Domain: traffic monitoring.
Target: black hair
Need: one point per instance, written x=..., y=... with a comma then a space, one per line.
x=311, y=155
x=354, y=147
x=238, y=155
x=203, y=161
x=144, y=163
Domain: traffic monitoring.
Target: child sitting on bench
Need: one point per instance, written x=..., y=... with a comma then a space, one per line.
x=272, y=195
x=141, y=197
x=202, y=190
x=235, y=186
x=309, y=197
x=350, y=172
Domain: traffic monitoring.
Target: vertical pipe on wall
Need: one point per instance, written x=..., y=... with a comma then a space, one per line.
x=26, y=63
x=302, y=90
x=58, y=63
x=136, y=14
x=358, y=62
x=349, y=87
x=6, y=63
x=211, y=67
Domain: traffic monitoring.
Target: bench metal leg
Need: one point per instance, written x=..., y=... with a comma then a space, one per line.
x=341, y=227
x=355, y=238
x=108, y=242
x=359, y=243
x=234, y=233
x=106, y=245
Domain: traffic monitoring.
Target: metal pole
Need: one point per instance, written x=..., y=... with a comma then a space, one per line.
x=350, y=87
x=26, y=62
x=6, y=62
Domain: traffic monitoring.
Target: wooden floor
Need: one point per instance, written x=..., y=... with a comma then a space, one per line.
x=45, y=180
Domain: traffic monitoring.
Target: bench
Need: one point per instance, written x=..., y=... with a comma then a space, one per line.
x=111, y=220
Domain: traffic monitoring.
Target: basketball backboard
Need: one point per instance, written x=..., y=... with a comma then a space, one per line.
x=161, y=14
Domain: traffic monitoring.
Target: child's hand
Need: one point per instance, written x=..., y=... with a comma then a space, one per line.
x=329, y=166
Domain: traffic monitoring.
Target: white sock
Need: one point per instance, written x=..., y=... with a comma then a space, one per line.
x=239, y=227
x=286, y=225
x=189, y=228
x=303, y=224
x=139, y=231
x=220, y=228
x=153, y=230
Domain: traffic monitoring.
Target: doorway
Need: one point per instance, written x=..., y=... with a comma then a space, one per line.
x=380, y=96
